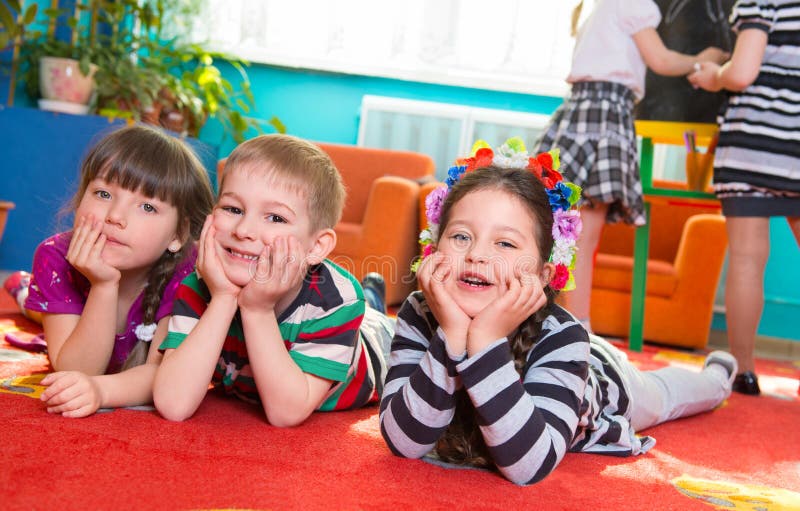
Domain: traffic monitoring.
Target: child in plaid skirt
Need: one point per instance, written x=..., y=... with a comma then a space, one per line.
x=594, y=129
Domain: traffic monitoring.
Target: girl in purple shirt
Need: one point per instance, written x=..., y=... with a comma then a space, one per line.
x=105, y=289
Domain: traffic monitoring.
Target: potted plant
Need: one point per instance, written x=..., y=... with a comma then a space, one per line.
x=13, y=23
x=197, y=89
x=140, y=75
x=58, y=67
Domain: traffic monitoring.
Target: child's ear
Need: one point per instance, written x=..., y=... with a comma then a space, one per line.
x=181, y=237
x=323, y=245
x=547, y=273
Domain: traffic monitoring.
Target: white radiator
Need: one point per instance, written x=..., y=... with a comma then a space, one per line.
x=441, y=130
x=445, y=131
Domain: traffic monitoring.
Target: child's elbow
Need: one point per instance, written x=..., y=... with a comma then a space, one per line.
x=282, y=419
x=738, y=81
x=170, y=409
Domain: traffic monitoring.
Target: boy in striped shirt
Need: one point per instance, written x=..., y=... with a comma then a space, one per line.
x=267, y=317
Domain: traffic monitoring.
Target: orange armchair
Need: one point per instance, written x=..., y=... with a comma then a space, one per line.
x=378, y=229
x=687, y=252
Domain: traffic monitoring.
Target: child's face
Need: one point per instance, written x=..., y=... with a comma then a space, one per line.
x=138, y=228
x=254, y=210
x=490, y=238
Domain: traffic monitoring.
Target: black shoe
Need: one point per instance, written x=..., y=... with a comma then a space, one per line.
x=375, y=291
x=746, y=383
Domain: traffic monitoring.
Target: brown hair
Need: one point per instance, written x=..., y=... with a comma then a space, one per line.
x=462, y=442
x=147, y=160
x=576, y=16
x=306, y=167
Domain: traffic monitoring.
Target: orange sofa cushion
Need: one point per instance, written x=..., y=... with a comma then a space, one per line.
x=616, y=273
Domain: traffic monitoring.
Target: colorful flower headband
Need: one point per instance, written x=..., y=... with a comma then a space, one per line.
x=562, y=194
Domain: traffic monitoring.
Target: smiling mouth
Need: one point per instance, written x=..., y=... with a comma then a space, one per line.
x=475, y=282
x=240, y=255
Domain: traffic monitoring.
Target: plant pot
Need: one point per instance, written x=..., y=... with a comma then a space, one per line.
x=173, y=121
x=61, y=80
x=152, y=114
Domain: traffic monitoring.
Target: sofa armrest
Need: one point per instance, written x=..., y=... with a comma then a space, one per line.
x=386, y=240
x=391, y=218
x=700, y=256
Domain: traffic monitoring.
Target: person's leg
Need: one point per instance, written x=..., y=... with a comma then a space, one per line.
x=578, y=301
x=374, y=291
x=17, y=285
x=794, y=225
x=672, y=392
x=748, y=250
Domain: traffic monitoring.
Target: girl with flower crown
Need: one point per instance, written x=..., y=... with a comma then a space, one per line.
x=594, y=127
x=105, y=288
x=485, y=369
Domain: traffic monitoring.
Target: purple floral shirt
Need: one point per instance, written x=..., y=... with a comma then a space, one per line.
x=58, y=288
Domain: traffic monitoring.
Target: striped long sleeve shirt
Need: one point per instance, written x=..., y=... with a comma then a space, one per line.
x=570, y=396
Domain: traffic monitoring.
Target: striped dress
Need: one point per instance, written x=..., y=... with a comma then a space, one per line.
x=570, y=397
x=326, y=329
x=757, y=164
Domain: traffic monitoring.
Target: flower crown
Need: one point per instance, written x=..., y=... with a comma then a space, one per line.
x=562, y=194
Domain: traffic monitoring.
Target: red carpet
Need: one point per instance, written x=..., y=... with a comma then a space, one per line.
x=744, y=455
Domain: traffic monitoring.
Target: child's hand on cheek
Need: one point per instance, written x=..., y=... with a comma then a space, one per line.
x=523, y=295
x=86, y=250
x=209, y=264
x=281, y=267
x=434, y=272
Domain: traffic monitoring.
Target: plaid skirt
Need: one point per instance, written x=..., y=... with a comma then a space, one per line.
x=594, y=131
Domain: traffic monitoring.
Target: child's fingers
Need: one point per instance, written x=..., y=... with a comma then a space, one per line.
x=202, y=247
x=263, y=266
x=56, y=383
x=78, y=233
x=96, y=248
x=64, y=393
x=279, y=259
x=61, y=408
x=83, y=411
x=87, y=243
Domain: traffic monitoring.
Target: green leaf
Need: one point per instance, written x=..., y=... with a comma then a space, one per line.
x=277, y=124
x=30, y=14
x=7, y=19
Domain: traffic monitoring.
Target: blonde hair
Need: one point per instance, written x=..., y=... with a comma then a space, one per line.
x=306, y=168
x=576, y=16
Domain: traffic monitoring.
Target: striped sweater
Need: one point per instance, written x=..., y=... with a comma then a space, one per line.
x=322, y=330
x=759, y=142
x=570, y=396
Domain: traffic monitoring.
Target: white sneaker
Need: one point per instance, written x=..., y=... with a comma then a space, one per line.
x=724, y=359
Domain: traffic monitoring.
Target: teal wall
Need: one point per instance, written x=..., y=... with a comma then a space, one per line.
x=325, y=106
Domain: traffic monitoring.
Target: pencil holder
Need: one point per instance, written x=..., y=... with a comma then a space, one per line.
x=699, y=168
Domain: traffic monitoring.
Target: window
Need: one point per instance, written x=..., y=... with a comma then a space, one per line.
x=509, y=45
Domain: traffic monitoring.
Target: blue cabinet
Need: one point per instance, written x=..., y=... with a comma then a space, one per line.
x=40, y=156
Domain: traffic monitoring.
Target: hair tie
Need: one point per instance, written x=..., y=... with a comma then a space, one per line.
x=145, y=332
